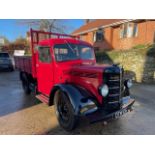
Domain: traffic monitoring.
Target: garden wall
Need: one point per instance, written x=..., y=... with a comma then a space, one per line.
x=139, y=62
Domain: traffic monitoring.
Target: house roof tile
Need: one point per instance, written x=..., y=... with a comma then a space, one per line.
x=96, y=24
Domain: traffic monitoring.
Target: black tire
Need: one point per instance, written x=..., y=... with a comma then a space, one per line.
x=11, y=69
x=26, y=87
x=64, y=111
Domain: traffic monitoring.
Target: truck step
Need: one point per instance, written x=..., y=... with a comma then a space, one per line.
x=43, y=98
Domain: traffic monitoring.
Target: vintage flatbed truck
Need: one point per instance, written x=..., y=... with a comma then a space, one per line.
x=63, y=72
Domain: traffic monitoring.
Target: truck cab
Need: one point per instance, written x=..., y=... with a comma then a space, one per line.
x=56, y=57
x=64, y=73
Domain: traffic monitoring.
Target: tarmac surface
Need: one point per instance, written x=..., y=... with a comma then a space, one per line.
x=24, y=115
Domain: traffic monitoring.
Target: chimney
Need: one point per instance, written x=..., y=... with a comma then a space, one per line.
x=87, y=21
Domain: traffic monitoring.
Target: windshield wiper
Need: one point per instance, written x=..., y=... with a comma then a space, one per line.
x=72, y=49
x=69, y=45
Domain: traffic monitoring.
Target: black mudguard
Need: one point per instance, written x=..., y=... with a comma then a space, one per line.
x=77, y=95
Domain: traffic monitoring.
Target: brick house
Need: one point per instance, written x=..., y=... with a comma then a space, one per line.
x=117, y=33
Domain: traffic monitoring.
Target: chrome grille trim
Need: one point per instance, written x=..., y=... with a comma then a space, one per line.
x=114, y=80
x=111, y=95
x=113, y=87
x=120, y=84
x=113, y=102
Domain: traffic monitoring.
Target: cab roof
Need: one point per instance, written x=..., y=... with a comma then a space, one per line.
x=54, y=41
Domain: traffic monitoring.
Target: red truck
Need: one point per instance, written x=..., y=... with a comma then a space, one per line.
x=63, y=72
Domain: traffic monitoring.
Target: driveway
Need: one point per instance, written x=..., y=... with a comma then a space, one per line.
x=21, y=114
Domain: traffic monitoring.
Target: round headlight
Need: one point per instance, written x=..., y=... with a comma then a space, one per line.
x=104, y=90
x=129, y=83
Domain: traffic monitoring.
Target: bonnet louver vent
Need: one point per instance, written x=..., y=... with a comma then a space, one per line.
x=84, y=74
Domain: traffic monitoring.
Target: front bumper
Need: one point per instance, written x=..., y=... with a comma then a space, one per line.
x=101, y=115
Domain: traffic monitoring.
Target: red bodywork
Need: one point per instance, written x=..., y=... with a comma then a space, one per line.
x=86, y=74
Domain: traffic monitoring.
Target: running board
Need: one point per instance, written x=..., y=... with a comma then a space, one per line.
x=43, y=98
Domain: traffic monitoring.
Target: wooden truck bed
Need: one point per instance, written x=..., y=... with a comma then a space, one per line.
x=23, y=63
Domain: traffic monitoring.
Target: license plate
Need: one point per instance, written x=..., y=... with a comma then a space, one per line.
x=120, y=113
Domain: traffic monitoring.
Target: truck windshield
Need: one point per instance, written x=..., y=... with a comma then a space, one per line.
x=64, y=52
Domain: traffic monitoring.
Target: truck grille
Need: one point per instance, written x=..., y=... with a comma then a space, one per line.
x=114, y=80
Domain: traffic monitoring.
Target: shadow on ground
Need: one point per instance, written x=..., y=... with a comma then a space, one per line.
x=12, y=98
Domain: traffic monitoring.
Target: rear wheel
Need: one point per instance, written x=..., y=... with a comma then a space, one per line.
x=11, y=69
x=64, y=111
x=26, y=86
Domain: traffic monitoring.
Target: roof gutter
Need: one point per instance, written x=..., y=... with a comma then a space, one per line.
x=105, y=26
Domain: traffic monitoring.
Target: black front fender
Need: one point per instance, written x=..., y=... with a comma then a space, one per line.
x=79, y=97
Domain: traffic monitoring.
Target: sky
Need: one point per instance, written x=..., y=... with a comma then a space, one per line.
x=12, y=29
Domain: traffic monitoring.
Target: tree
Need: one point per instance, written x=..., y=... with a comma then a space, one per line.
x=52, y=25
x=20, y=40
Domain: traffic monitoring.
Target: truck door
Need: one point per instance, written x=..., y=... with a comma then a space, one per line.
x=44, y=68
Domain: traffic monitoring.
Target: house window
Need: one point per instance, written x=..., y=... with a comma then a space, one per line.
x=128, y=30
x=154, y=38
x=125, y=30
x=121, y=31
x=99, y=35
x=81, y=37
x=135, y=30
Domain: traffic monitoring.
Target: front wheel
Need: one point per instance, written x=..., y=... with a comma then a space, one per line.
x=64, y=111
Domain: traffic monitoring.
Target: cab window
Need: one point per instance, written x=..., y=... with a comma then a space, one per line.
x=44, y=54
x=64, y=52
